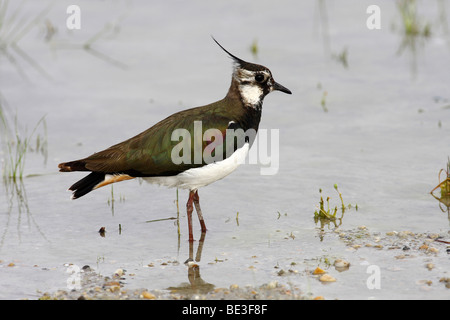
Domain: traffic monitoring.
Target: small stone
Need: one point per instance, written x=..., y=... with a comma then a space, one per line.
x=272, y=285
x=318, y=271
x=118, y=273
x=327, y=278
x=430, y=266
x=148, y=295
x=112, y=286
x=446, y=281
x=405, y=234
x=234, y=287
x=86, y=268
x=341, y=264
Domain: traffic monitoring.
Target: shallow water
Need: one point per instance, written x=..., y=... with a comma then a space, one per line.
x=383, y=140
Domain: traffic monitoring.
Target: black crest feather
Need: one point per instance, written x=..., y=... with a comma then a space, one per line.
x=243, y=64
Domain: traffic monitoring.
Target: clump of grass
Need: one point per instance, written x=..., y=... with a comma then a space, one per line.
x=15, y=27
x=112, y=199
x=445, y=184
x=413, y=30
x=326, y=212
x=17, y=144
x=411, y=24
x=342, y=57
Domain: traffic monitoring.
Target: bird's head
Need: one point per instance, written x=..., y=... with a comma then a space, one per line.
x=254, y=81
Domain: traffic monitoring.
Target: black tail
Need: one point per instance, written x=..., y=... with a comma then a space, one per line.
x=85, y=185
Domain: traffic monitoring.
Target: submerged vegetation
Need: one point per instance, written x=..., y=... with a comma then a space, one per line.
x=254, y=48
x=326, y=214
x=444, y=186
x=323, y=101
x=341, y=57
x=413, y=31
x=17, y=143
x=412, y=26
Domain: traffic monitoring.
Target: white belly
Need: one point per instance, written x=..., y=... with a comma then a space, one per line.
x=195, y=178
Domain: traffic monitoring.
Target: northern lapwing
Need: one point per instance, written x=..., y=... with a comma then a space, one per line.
x=158, y=156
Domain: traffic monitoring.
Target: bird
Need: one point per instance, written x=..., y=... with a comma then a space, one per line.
x=157, y=155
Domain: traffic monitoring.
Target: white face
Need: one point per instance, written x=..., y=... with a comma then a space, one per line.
x=252, y=84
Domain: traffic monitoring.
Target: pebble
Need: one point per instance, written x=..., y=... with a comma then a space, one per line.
x=118, y=273
x=341, y=264
x=423, y=247
x=318, y=271
x=327, y=278
x=148, y=295
x=446, y=281
x=272, y=285
x=427, y=248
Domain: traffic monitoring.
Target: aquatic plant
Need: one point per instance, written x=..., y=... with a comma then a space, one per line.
x=444, y=186
x=323, y=213
x=329, y=213
x=323, y=101
x=17, y=149
x=413, y=31
x=412, y=26
x=13, y=28
x=17, y=144
x=341, y=57
x=254, y=48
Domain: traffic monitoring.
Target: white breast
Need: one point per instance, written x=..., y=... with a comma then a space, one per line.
x=195, y=178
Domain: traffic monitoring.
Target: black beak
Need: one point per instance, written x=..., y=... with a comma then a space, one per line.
x=279, y=87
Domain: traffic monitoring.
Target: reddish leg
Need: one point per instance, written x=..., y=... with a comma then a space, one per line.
x=189, y=209
x=199, y=211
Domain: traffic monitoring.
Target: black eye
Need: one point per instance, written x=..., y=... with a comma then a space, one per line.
x=259, y=77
